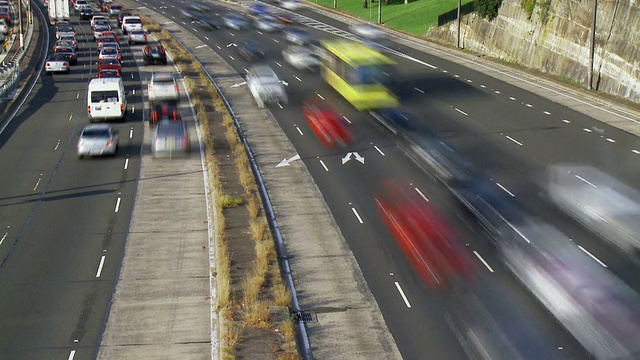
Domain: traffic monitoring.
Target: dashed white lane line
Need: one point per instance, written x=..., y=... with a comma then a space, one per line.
x=231, y=57
x=320, y=96
x=118, y=204
x=72, y=354
x=134, y=91
x=546, y=113
x=277, y=63
x=422, y=195
x=456, y=75
x=4, y=237
x=219, y=48
x=505, y=189
x=469, y=80
x=130, y=133
x=586, y=181
x=592, y=256
x=70, y=116
x=57, y=145
x=37, y=183
x=300, y=131
x=483, y=86
x=483, y=261
x=260, y=32
x=528, y=105
x=78, y=95
x=184, y=23
x=276, y=40
x=496, y=91
x=126, y=163
x=323, y=165
x=512, y=98
x=566, y=121
x=297, y=78
x=355, y=212
x=99, y=272
x=404, y=297
x=610, y=140
x=346, y=119
x=380, y=151
x=280, y=106
x=418, y=90
x=132, y=75
x=445, y=71
x=587, y=130
x=637, y=152
x=514, y=140
x=461, y=112
x=206, y=38
x=231, y=34
x=133, y=109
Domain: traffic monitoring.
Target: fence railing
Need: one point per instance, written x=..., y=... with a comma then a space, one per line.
x=9, y=68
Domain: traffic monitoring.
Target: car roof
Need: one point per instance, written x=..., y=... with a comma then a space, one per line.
x=162, y=76
x=97, y=127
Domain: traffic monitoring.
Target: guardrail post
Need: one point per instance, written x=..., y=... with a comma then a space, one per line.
x=5, y=46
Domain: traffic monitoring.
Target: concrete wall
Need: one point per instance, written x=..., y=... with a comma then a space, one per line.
x=561, y=44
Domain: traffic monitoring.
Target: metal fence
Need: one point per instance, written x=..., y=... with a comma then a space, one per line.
x=10, y=70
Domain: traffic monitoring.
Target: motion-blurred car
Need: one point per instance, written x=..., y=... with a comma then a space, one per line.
x=71, y=39
x=265, y=86
x=327, y=123
x=97, y=140
x=109, y=53
x=170, y=139
x=397, y=120
x=68, y=54
x=286, y=19
x=250, y=50
x=301, y=58
x=235, y=21
x=109, y=64
x=154, y=54
x=200, y=6
x=291, y=4
x=109, y=73
x=163, y=87
x=115, y=10
x=258, y=9
x=56, y=64
x=137, y=37
x=86, y=14
x=268, y=23
x=65, y=30
x=428, y=239
x=121, y=16
x=4, y=27
x=163, y=111
x=207, y=22
x=190, y=13
x=298, y=35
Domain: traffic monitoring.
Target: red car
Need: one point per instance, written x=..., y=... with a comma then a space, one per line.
x=425, y=235
x=109, y=73
x=163, y=111
x=109, y=64
x=327, y=123
x=110, y=35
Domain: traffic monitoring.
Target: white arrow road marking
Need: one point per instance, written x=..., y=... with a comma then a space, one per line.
x=232, y=44
x=287, y=162
x=346, y=158
x=200, y=46
x=358, y=157
x=238, y=84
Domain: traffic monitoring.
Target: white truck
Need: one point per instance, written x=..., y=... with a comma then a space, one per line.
x=58, y=11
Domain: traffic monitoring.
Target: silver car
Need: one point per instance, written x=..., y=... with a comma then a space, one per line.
x=97, y=140
x=137, y=37
x=235, y=21
x=56, y=64
x=99, y=30
x=170, y=139
x=265, y=86
x=268, y=23
x=301, y=58
x=298, y=36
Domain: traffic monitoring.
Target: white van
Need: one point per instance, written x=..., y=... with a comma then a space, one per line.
x=106, y=100
x=131, y=23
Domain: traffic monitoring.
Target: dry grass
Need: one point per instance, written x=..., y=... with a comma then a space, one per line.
x=253, y=206
x=251, y=287
x=289, y=356
x=257, y=315
x=227, y=201
x=232, y=137
x=232, y=334
x=258, y=228
x=281, y=295
x=287, y=329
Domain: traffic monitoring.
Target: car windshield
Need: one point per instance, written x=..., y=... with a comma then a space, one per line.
x=104, y=96
x=109, y=51
x=134, y=21
x=163, y=79
x=137, y=32
x=65, y=28
x=56, y=58
x=96, y=133
x=154, y=49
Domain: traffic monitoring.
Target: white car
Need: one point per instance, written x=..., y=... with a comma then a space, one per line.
x=79, y=4
x=97, y=140
x=56, y=64
x=163, y=87
x=301, y=58
x=268, y=23
x=265, y=86
x=98, y=17
x=291, y=4
x=4, y=28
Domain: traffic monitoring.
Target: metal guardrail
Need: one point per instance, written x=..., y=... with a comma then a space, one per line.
x=271, y=217
x=10, y=71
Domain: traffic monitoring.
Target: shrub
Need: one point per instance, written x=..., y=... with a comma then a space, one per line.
x=528, y=6
x=487, y=8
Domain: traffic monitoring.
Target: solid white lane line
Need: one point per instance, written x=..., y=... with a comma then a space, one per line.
x=380, y=151
x=130, y=133
x=610, y=140
x=118, y=204
x=483, y=261
x=72, y=354
x=546, y=113
x=126, y=163
x=320, y=96
x=323, y=165
x=592, y=256
x=505, y=189
x=587, y=130
x=461, y=112
x=300, y=131
x=421, y=194
x=586, y=181
x=355, y=212
x=100, y=266
x=297, y=78
x=404, y=297
x=4, y=237
x=635, y=151
x=514, y=140
x=37, y=183
x=418, y=90
x=346, y=119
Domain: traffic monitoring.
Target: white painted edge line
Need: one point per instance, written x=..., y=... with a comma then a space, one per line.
x=323, y=165
x=483, y=261
x=99, y=272
x=320, y=96
x=355, y=212
x=380, y=151
x=72, y=354
x=592, y=256
x=118, y=204
x=514, y=140
x=505, y=189
x=404, y=297
x=418, y=90
x=4, y=237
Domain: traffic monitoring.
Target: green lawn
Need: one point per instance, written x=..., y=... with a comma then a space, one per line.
x=415, y=17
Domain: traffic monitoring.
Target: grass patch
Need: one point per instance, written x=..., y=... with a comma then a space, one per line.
x=281, y=295
x=287, y=329
x=257, y=315
x=232, y=335
x=258, y=229
x=253, y=206
x=227, y=201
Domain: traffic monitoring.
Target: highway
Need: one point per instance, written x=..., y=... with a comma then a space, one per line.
x=510, y=133
x=64, y=221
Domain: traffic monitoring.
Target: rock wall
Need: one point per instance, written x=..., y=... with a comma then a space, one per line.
x=560, y=45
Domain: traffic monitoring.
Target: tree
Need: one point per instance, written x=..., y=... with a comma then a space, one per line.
x=487, y=8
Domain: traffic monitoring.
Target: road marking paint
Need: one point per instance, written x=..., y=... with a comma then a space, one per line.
x=231, y=57
x=347, y=120
x=610, y=140
x=461, y=112
x=323, y=165
x=201, y=46
x=126, y=163
x=275, y=40
x=380, y=151
x=496, y=91
x=277, y=63
x=219, y=48
x=445, y=71
x=404, y=297
x=587, y=130
x=592, y=256
x=635, y=151
x=72, y=354
x=57, y=145
x=133, y=109
x=280, y=105
x=300, y=131
x=132, y=75
x=469, y=80
x=118, y=204
x=483, y=86
x=512, y=98
x=514, y=140
x=100, y=266
x=528, y=105
x=184, y=23
x=419, y=90
x=260, y=32
x=37, y=183
x=297, y=78
x=456, y=75
x=422, y=195
x=78, y=95
x=130, y=133
x=206, y=38
x=134, y=91
x=231, y=34
x=566, y=121
x=70, y=116
x=7, y=233
x=483, y=261
x=546, y=113
x=585, y=181
x=194, y=29
x=505, y=189
x=320, y=96
x=355, y=212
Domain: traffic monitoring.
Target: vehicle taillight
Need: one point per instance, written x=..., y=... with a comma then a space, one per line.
x=175, y=87
x=145, y=37
x=121, y=108
x=48, y=64
x=89, y=109
x=110, y=142
x=65, y=64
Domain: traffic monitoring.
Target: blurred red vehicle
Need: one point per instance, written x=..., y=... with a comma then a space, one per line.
x=327, y=123
x=111, y=64
x=425, y=235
